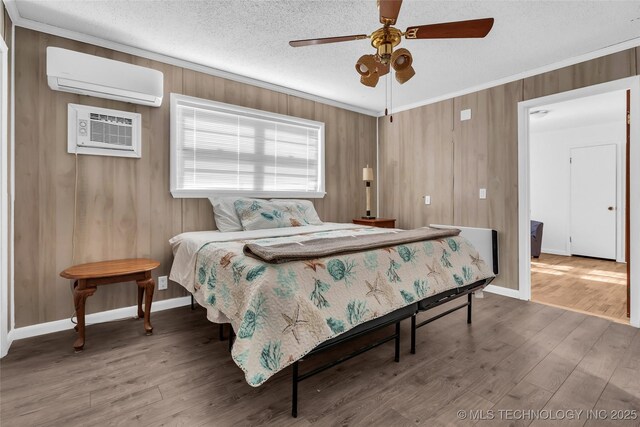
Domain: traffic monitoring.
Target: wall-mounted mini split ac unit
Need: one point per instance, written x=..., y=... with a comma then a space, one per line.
x=93, y=130
x=76, y=72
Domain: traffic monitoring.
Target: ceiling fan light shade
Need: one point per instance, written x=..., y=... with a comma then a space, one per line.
x=368, y=70
x=371, y=80
x=405, y=75
x=401, y=61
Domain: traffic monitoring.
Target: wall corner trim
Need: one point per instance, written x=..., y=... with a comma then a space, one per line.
x=93, y=318
x=505, y=292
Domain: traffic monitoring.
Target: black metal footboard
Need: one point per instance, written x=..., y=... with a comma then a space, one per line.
x=442, y=298
x=364, y=329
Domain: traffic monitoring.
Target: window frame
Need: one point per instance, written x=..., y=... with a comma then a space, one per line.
x=179, y=99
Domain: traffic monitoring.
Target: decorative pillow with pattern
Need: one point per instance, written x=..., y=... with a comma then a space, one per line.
x=259, y=214
x=305, y=208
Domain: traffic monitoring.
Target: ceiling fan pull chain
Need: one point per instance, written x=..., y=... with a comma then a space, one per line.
x=386, y=96
x=390, y=98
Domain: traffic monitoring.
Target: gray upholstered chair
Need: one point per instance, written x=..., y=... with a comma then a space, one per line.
x=536, y=238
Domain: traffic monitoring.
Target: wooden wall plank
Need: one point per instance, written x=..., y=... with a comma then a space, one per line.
x=416, y=159
x=604, y=69
x=165, y=211
x=486, y=156
x=124, y=208
x=389, y=168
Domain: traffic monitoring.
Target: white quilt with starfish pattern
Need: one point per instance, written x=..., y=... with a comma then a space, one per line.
x=282, y=312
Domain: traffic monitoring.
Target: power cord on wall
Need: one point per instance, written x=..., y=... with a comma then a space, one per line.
x=73, y=230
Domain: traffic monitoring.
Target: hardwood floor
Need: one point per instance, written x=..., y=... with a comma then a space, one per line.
x=587, y=285
x=516, y=355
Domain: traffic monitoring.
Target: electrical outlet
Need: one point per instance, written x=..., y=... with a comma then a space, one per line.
x=483, y=193
x=162, y=283
x=427, y=200
x=465, y=114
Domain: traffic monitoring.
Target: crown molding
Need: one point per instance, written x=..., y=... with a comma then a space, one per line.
x=61, y=32
x=19, y=21
x=614, y=48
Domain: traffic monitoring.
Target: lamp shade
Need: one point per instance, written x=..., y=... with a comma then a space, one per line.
x=367, y=174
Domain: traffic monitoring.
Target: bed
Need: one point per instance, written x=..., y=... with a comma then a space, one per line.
x=282, y=312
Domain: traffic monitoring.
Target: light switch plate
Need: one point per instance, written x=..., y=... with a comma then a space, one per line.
x=465, y=114
x=162, y=283
x=427, y=200
x=483, y=193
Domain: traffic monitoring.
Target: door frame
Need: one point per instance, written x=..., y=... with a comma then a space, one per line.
x=5, y=204
x=524, y=184
x=619, y=204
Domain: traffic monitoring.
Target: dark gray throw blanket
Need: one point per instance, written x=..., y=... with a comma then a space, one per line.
x=319, y=248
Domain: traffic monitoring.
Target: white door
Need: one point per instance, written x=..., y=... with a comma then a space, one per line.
x=593, y=201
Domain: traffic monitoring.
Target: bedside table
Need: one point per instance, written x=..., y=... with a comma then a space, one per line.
x=376, y=222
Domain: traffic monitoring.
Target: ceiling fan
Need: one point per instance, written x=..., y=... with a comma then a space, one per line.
x=386, y=38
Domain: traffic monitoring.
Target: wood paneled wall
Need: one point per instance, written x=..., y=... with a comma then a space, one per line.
x=416, y=151
x=483, y=154
x=123, y=206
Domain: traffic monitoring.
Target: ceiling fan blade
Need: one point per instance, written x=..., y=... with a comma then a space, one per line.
x=476, y=28
x=389, y=10
x=309, y=42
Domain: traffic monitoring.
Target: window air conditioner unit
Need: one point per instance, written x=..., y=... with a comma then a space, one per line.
x=103, y=132
x=76, y=72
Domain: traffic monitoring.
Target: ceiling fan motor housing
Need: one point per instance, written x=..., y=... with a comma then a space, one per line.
x=384, y=40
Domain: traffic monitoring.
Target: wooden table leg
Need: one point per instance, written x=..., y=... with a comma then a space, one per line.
x=80, y=295
x=146, y=288
x=140, y=299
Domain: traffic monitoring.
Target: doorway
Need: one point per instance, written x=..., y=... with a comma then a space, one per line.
x=573, y=153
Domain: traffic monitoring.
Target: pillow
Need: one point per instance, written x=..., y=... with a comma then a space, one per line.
x=306, y=209
x=225, y=214
x=262, y=214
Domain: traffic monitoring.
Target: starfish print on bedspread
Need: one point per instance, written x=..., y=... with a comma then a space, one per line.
x=476, y=260
x=313, y=264
x=434, y=271
x=375, y=290
x=293, y=323
x=226, y=260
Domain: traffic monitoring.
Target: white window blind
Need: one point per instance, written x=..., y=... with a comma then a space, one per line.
x=222, y=149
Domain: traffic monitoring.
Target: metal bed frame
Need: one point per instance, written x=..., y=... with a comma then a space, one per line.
x=421, y=306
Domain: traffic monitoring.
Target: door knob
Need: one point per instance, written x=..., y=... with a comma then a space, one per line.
x=610, y=208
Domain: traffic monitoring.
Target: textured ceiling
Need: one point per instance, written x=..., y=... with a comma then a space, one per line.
x=597, y=109
x=250, y=38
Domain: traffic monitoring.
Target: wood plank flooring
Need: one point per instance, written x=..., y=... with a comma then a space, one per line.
x=516, y=355
x=586, y=285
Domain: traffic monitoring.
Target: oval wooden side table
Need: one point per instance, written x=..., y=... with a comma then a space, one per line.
x=89, y=276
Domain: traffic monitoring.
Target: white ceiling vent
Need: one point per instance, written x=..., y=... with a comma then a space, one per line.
x=98, y=131
x=76, y=72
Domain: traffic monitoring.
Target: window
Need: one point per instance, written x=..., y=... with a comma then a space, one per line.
x=222, y=149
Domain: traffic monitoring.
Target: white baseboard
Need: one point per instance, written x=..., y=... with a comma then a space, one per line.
x=8, y=342
x=103, y=316
x=555, y=252
x=506, y=292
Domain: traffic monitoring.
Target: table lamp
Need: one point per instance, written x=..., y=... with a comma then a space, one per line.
x=367, y=177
